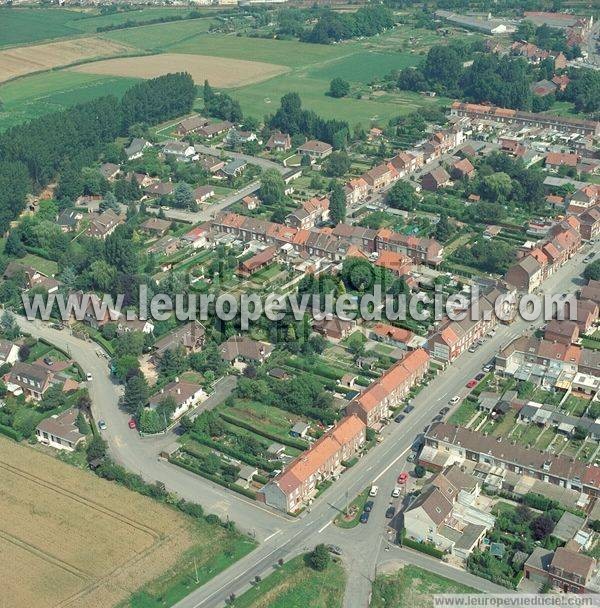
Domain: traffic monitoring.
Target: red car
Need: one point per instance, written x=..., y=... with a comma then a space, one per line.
x=403, y=477
x=471, y=383
x=132, y=424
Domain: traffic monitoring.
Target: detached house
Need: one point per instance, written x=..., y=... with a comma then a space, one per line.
x=191, y=336
x=315, y=149
x=60, y=431
x=34, y=380
x=241, y=350
x=279, y=142
x=103, y=224
x=9, y=352
x=185, y=395
x=298, y=483
x=136, y=148
x=191, y=125
x=180, y=151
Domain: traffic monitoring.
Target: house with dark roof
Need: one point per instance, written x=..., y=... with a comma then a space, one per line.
x=279, y=142
x=34, y=380
x=565, y=331
x=69, y=220
x=155, y=226
x=136, y=148
x=190, y=336
x=526, y=275
x=435, y=179
x=191, y=125
x=9, y=352
x=258, y=261
x=239, y=350
x=101, y=225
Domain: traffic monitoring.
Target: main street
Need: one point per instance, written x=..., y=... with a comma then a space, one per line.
x=282, y=536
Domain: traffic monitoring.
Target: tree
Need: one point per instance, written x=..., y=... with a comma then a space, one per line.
x=96, y=448
x=339, y=87
x=542, y=527
x=420, y=471
x=82, y=424
x=319, y=558
x=402, y=196
x=443, y=66
x=8, y=326
x=337, y=204
x=272, y=187
x=14, y=245
x=183, y=196
x=592, y=271
x=24, y=351
x=109, y=202
x=443, y=230
x=136, y=394
x=336, y=164
x=495, y=187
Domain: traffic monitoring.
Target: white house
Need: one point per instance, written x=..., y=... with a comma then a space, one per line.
x=9, y=352
x=60, y=431
x=185, y=394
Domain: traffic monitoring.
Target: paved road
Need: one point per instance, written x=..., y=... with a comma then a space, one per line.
x=209, y=211
x=284, y=537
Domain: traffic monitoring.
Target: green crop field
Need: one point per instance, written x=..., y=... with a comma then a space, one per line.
x=163, y=36
x=91, y=23
x=26, y=25
x=364, y=66
x=40, y=94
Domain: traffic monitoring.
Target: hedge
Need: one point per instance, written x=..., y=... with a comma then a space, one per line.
x=214, y=478
x=422, y=547
x=10, y=432
x=238, y=454
x=289, y=441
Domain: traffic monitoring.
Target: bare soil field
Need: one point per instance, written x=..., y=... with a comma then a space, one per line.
x=219, y=71
x=70, y=539
x=24, y=60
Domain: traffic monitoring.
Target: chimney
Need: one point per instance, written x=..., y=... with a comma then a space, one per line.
x=176, y=379
x=179, y=390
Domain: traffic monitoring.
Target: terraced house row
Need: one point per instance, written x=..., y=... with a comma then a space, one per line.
x=330, y=243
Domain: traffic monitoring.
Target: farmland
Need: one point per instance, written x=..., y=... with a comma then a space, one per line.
x=20, y=61
x=135, y=539
x=39, y=94
x=221, y=72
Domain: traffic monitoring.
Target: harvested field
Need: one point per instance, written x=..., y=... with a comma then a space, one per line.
x=219, y=71
x=29, y=59
x=71, y=539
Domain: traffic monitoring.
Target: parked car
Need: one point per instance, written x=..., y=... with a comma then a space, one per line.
x=364, y=517
x=132, y=424
x=488, y=368
x=402, y=478
x=368, y=506
x=334, y=549
x=412, y=457
x=437, y=418
x=373, y=491
x=408, y=409
x=88, y=377
x=391, y=511
x=454, y=400
x=101, y=425
x=396, y=492
x=444, y=411
x=480, y=376
x=399, y=418
x=472, y=349
x=471, y=383
x=48, y=361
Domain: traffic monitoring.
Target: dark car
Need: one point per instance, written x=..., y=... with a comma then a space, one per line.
x=399, y=418
x=408, y=409
x=368, y=506
x=391, y=511
x=437, y=418
x=444, y=411
x=364, y=517
x=480, y=376
x=334, y=549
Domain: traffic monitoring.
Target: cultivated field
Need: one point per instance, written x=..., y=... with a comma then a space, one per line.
x=220, y=72
x=24, y=60
x=71, y=539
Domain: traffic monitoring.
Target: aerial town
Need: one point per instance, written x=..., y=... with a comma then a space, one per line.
x=300, y=303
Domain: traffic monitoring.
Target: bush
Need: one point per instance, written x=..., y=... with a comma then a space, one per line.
x=9, y=432
x=289, y=441
x=319, y=558
x=428, y=548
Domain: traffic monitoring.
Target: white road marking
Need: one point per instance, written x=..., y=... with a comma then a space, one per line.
x=325, y=526
x=272, y=535
x=391, y=464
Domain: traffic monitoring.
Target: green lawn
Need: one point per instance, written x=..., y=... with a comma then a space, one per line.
x=463, y=414
x=39, y=94
x=265, y=417
x=295, y=585
x=47, y=267
x=357, y=505
x=215, y=550
x=412, y=586
x=92, y=22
